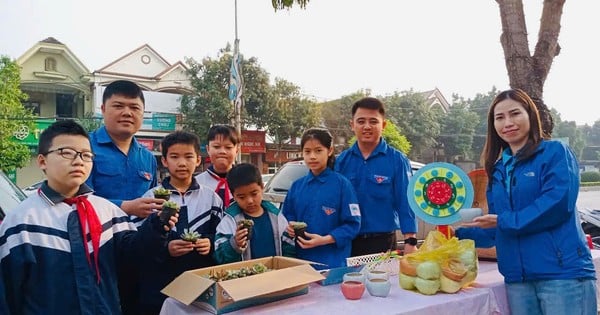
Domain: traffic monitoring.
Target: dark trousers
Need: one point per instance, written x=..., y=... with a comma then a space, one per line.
x=129, y=290
x=373, y=243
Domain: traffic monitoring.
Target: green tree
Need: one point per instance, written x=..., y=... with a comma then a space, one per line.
x=592, y=134
x=209, y=104
x=480, y=105
x=458, y=129
x=13, y=116
x=418, y=122
x=291, y=113
x=393, y=136
x=90, y=121
x=337, y=115
x=526, y=71
x=568, y=129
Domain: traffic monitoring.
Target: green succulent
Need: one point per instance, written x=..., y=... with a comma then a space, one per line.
x=246, y=223
x=190, y=236
x=170, y=204
x=161, y=191
x=299, y=225
x=228, y=274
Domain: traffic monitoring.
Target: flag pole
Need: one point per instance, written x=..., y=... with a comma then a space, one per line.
x=237, y=107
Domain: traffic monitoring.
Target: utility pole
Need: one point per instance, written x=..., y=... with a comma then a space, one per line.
x=238, y=101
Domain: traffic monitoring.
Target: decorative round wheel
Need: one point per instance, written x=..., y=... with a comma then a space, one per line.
x=437, y=191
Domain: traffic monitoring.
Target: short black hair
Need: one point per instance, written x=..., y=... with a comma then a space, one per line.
x=369, y=103
x=59, y=128
x=123, y=87
x=227, y=131
x=243, y=174
x=180, y=136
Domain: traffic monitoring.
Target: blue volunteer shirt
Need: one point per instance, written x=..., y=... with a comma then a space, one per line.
x=116, y=176
x=328, y=205
x=381, y=182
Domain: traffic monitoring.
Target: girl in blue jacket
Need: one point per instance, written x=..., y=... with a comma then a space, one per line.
x=325, y=201
x=533, y=186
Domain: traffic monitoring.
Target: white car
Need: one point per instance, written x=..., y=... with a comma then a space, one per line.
x=10, y=195
x=277, y=188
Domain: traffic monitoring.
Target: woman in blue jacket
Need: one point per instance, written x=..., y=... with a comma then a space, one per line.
x=325, y=201
x=532, y=220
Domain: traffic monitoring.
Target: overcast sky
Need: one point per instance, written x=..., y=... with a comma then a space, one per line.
x=333, y=48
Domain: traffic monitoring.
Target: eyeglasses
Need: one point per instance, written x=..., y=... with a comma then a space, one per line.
x=71, y=154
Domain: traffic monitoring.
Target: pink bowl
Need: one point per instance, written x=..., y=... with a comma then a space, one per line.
x=352, y=290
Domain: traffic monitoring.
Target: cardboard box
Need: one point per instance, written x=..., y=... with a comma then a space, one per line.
x=288, y=277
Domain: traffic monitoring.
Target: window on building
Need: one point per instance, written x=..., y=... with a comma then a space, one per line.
x=50, y=64
x=33, y=106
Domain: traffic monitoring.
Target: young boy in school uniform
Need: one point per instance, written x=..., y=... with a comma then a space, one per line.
x=59, y=249
x=268, y=237
x=200, y=211
x=222, y=148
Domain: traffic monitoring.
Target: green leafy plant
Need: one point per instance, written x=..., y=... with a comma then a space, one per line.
x=228, y=274
x=190, y=236
x=162, y=193
x=299, y=228
x=169, y=209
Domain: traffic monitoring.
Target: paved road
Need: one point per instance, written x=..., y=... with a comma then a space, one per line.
x=589, y=197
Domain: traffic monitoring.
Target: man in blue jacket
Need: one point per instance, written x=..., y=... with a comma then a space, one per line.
x=379, y=174
x=123, y=169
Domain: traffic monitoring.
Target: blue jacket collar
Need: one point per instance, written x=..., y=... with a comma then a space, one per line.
x=103, y=137
x=166, y=183
x=381, y=148
x=53, y=197
x=321, y=177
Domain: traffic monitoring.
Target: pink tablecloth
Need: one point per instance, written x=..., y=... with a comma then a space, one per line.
x=486, y=296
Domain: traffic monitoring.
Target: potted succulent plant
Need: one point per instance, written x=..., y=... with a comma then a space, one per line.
x=246, y=224
x=169, y=208
x=299, y=229
x=162, y=193
x=190, y=236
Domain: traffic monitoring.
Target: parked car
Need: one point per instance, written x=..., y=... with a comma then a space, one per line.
x=10, y=195
x=277, y=188
x=266, y=178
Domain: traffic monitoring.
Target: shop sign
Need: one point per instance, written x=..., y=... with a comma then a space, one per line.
x=253, y=141
x=31, y=137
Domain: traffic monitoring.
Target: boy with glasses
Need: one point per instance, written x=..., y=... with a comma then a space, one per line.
x=60, y=247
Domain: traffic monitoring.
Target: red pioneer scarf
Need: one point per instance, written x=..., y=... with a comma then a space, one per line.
x=88, y=217
x=222, y=184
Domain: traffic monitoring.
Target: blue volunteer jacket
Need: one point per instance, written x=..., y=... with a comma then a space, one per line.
x=538, y=234
x=328, y=205
x=116, y=176
x=381, y=182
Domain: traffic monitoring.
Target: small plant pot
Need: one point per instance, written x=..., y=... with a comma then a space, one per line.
x=166, y=214
x=163, y=197
x=244, y=225
x=300, y=232
x=352, y=290
x=379, y=287
x=354, y=276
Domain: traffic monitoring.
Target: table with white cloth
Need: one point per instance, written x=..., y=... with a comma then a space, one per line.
x=487, y=295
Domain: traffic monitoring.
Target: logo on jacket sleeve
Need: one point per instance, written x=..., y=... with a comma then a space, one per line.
x=354, y=210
